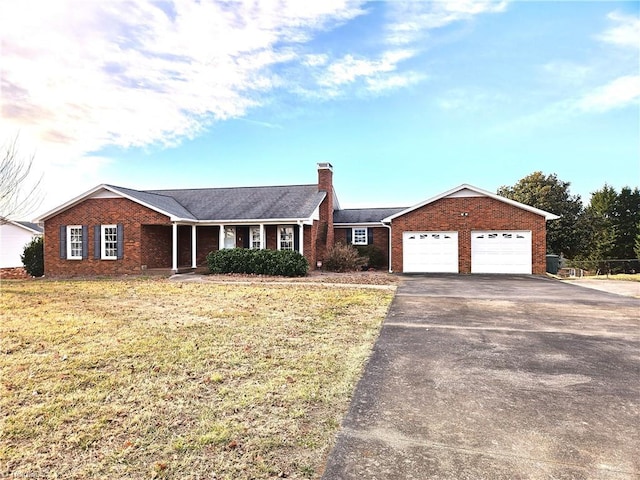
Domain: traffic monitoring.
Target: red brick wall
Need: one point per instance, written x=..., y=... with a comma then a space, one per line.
x=155, y=246
x=310, y=239
x=207, y=239
x=325, y=225
x=101, y=211
x=380, y=240
x=484, y=213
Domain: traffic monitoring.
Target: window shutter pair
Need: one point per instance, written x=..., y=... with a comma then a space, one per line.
x=369, y=236
x=96, y=241
x=63, y=242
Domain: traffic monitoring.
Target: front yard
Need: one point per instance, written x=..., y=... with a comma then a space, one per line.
x=147, y=378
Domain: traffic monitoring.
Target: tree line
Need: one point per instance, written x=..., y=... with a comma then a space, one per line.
x=602, y=235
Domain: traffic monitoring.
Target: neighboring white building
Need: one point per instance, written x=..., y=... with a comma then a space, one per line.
x=14, y=236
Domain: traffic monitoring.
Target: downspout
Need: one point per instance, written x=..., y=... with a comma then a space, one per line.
x=389, y=227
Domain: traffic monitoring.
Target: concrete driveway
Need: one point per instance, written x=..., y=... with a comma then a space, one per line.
x=497, y=377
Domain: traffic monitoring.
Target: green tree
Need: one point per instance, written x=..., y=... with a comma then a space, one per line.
x=637, y=245
x=601, y=233
x=551, y=194
x=33, y=257
x=626, y=216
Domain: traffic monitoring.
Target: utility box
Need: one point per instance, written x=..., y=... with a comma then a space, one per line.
x=553, y=264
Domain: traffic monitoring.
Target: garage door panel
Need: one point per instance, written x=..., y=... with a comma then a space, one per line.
x=430, y=252
x=501, y=252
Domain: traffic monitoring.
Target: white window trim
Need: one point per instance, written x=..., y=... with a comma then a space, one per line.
x=280, y=227
x=253, y=230
x=353, y=236
x=103, y=243
x=70, y=255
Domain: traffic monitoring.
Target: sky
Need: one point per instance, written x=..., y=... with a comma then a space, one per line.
x=406, y=100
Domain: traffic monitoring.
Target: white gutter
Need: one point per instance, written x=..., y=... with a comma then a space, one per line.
x=389, y=227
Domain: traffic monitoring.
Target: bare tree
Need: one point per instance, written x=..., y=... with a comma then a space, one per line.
x=18, y=194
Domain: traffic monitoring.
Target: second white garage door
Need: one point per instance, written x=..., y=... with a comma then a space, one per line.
x=501, y=252
x=430, y=252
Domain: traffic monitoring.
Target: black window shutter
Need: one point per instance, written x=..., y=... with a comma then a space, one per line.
x=63, y=241
x=370, y=236
x=296, y=238
x=85, y=242
x=120, y=239
x=349, y=237
x=96, y=242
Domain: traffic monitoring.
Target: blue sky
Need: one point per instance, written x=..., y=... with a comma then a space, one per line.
x=405, y=99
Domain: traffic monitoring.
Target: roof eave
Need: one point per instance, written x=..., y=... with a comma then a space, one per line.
x=357, y=224
x=252, y=221
x=537, y=211
x=76, y=200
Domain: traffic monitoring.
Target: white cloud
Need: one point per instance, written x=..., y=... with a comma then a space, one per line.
x=619, y=93
x=349, y=69
x=78, y=76
x=625, y=33
x=412, y=20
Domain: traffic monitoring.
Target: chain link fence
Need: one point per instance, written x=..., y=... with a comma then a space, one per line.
x=609, y=266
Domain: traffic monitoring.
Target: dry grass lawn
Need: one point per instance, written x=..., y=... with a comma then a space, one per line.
x=147, y=378
x=619, y=276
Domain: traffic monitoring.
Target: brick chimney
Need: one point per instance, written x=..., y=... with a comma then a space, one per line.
x=325, y=225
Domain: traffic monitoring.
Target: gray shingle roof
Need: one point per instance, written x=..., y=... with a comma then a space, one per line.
x=165, y=203
x=33, y=226
x=364, y=215
x=241, y=203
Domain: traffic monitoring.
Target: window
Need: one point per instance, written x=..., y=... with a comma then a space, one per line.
x=229, y=237
x=285, y=238
x=109, y=242
x=74, y=242
x=360, y=236
x=254, y=238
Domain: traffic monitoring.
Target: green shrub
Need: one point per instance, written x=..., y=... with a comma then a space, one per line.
x=343, y=258
x=374, y=254
x=33, y=257
x=285, y=263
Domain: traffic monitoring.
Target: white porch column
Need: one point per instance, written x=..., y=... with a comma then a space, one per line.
x=301, y=239
x=221, y=239
x=263, y=240
x=174, y=248
x=194, y=245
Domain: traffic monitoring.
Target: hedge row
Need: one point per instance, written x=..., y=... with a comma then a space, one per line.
x=285, y=263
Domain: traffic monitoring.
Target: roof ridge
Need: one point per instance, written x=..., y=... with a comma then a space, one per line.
x=226, y=188
x=368, y=208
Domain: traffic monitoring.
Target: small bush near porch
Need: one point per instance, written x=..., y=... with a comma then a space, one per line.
x=150, y=378
x=286, y=263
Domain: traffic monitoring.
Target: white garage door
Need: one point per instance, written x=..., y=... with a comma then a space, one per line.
x=430, y=252
x=501, y=252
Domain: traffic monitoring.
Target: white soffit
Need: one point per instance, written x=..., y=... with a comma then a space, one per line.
x=465, y=193
x=104, y=193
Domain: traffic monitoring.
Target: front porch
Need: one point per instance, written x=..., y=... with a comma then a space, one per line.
x=183, y=248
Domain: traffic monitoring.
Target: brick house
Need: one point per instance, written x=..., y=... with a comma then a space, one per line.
x=113, y=230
